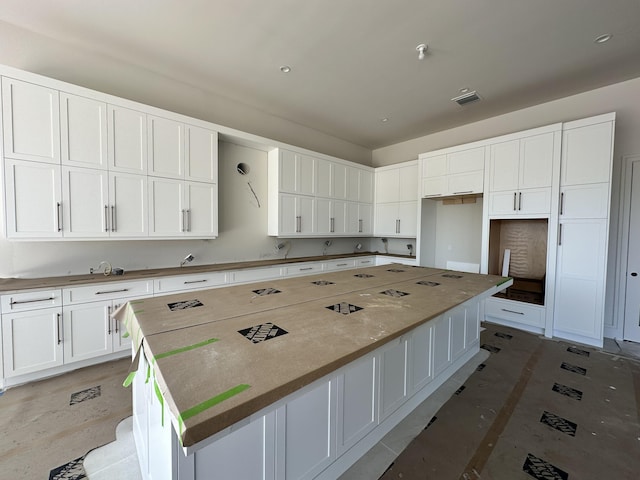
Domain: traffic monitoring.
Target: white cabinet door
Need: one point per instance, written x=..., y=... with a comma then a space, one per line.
x=503, y=203
x=31, y=341
x=323, y=178
x=465, y=183
x=407, y=219
x=305, y=430
x=504, y=166
x=323, y=216
x=33, y=196
x=365, y=186
x=435, y=166
x=305, y=214
x=201, y=154
x=127, y=133
x=288, y=218
x=85, y=197
x=387, y=185
x=536, y=161
x=202, y=209
x=386, y=219
x=296, y=215
x=408, y=183
x=420, y=358
x=31, y=116
x=297, y=173
x=441, y=344
x=580, y=275
x=365, y=220
x=353, y=184
x=338, y=181
x=357, y=403
x=121, y=340
x=352, y=223
x=435, y=186
x=339, y=217
x=458, y=324
x=465, y=161
x=584, y=201
x=534, y=201
x=167, y=211
x=128, y=212
x=165, y=147
x=87, y=331
x=83, y=123
x=472, y=329
x=393, y=377
x=586, y=154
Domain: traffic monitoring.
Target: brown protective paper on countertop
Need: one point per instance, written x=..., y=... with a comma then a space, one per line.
x=318, y=341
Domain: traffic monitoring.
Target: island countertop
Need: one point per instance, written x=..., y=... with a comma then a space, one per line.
x=220, y=355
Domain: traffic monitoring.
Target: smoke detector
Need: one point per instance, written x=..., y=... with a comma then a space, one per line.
x=466, y=97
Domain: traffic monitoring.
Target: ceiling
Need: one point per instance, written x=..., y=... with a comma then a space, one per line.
x=354, y=62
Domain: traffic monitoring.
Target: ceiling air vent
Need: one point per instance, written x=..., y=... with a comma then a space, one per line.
x=466, y=98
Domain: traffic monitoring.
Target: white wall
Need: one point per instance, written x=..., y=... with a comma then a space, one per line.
x=39, y=54
x=242, y=225
x=621, y=98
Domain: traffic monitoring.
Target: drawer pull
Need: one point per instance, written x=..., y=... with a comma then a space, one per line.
x=306, y=268
x=511, y=311
x=18, y=302
x=58, y=322
x=195, y=281
x=461, y=193
x=341, y=264
x=109, y=320
x=112, y=291
x=59, y=215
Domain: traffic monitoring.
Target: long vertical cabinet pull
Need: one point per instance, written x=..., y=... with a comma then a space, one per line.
x=519, y=200
x=106, y=218
x=115, y=322
x=113, y=218
x=59, y=215
x=109, y=320
x=360, y=226
x=560, y=235
x=515, y=196
x=58, y=327
x=332, y=229
x=183, y=222
x=298, y=224
x=561, y=203
x=189, y=220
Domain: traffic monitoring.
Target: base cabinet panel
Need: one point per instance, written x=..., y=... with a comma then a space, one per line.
x=393, y=377
x=420, y=358
x=441, y=343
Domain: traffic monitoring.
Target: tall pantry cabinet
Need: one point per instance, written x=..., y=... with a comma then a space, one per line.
x=583, y=230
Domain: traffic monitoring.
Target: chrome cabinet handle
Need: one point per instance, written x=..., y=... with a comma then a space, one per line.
x=112, y=291
x=332, y=229
x=109, y=320
x=515, y=195
x=360, y=226
x=520, y=201
x=195, y=281
x=188, y=220
x=116, y=323
x=511, y=311
x=461, y=193
x=306, y=268
x=113, y=218
x=59, y=216
x=559, y=234
x=106, y=218
x=298, y=224
x=58, y=322
x=18, y=302
x=183, y=229
x=561, y=203
x=341, y=265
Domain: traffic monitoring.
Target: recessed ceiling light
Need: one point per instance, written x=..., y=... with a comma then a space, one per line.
x=603, y=38
x=464, y=90
x=384, y=120
x=285, y=68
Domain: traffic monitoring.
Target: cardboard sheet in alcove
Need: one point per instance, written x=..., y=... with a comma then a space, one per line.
x=251, y=359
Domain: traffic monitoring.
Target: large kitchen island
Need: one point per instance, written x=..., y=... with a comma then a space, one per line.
x=298, y=377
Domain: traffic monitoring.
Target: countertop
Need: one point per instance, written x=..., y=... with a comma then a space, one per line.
x=230, y=352
x=14, y=284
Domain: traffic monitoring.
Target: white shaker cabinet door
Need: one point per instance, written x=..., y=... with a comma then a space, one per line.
x=85, y=194
x=201, y=209
x=128, y=209
x=34, y=199
x=586, y=154
x=83, y=123
x=31, y=341
x=201, y=154
x=31, y=116
x=393, y=377
x=503, y=166
x=165, y=147
x=87, y=331
x=536, y=161
x=167, y=210
x=127, y=133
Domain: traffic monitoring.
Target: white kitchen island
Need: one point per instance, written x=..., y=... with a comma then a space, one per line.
x=294, y=378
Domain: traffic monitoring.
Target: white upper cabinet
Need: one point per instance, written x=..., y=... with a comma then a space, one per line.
x=583, y=148
x=452, y=173
x=128, y=209
x=83, y=123
x=34, y=202
x=520, y=175
x=31, y=119
x=166, y=147
x=177, y=150
x=201, y=154
x=85, y=197
x=296, y=173
x=398, y=183
x=360, y=185
x=127, y=130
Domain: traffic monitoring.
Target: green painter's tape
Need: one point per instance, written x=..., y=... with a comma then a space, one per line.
x=184, y=349
x=148, y=374
x=138, y=311
x=133, y=302
x=129, y=379
x=160, y=399
x=125, y=335
x=503, y=281
x=201, y=407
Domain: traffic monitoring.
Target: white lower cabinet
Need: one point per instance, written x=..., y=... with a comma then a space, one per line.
x=420, y=358
x=31, y=341
x=441, y=343
x=393, y=376
x=305, y=433
x=396, y=219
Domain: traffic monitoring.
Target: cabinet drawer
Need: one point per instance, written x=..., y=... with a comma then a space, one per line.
x=466, y=183
x=434, y=186
x=18, y=302
x=254, y=275
x=189, y=282
x=302, y=269
x=365, y=262
x=514, y=311
x=107, y=291
x=585, y=201
x=340, y=264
